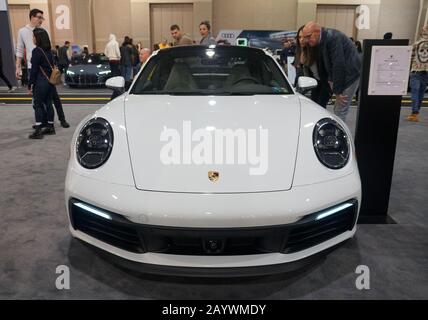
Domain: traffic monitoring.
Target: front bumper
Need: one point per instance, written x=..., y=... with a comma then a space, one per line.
x=190, y=210
x=137, y=238
x=262, y=215
x=218, y=272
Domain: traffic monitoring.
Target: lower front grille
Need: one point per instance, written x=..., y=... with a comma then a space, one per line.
x=85, y=79
x=116, y=230
x=315, y=232
x=109, y=231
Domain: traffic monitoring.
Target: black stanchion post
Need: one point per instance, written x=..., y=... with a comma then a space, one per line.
x=375, y=140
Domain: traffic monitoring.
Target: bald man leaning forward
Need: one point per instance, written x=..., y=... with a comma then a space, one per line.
x=341, y=61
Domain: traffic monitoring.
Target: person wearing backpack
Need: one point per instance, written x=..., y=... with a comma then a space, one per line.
x=24, y=50
x=43, y=77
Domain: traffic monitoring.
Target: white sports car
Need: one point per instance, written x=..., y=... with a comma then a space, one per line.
x=211, y=164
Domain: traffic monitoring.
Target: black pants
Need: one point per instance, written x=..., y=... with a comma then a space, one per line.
x=322, y=93
x=42, y=102
x=114, y=67
x=54, y=97
x=63, y=68
x=24, y=78
x=3, y=77
x=58, y=105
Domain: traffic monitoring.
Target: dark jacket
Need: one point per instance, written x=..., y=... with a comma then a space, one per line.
x=1, y=59
x=63, y=57
x=340, y=58
x=126, y=55
x=135, y=57
x=38, y=63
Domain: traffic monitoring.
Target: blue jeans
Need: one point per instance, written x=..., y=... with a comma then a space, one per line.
x=42, y=102
x=341, y=110
x=127, y=73
x=418, y=84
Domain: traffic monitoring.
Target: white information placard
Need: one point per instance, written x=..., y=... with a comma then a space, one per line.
x=389, y=70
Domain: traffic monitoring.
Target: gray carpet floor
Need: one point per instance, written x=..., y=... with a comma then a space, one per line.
x=34, y=236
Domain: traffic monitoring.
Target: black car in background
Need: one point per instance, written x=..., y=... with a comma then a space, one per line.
x=88, y=71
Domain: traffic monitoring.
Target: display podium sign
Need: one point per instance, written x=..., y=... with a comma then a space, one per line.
x=377, y=123
x=389, y=70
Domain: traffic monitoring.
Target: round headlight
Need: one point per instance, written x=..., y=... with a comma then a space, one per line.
x=331, y=144
x=94, y=143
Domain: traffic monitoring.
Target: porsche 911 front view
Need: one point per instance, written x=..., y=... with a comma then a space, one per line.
x=212, y=164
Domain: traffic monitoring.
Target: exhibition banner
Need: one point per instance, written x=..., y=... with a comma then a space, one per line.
x=264, y=39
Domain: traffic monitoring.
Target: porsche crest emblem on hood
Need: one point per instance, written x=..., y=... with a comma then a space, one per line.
x=213, y=176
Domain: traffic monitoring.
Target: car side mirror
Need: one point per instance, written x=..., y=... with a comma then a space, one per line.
x=304, y=84
x=116, y=83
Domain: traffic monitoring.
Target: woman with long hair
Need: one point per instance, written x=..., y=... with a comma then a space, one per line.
x=306, y=58
x=39, y=87
x=307, y=63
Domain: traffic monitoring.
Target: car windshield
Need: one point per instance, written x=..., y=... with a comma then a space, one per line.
x=221, y=70
x=90, y=59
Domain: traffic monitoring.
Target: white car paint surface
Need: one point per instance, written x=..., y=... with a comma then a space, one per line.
x=245, y=112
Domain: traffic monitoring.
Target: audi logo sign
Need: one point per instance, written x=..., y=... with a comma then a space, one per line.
x=228, y=35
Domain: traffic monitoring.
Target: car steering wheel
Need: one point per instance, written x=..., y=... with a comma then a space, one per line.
x=247, y=78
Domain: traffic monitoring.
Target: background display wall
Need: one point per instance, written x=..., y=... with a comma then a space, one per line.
x=147, y=21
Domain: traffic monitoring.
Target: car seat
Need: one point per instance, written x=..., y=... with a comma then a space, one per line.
x=238, y=72
x=181, y=79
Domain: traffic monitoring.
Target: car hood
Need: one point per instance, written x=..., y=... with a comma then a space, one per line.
x=175, y=142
